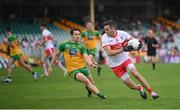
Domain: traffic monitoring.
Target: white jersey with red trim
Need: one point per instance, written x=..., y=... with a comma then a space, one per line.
x=47, y=35
x=118, y=41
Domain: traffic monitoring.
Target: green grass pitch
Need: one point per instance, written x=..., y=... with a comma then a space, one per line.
x=66, y=93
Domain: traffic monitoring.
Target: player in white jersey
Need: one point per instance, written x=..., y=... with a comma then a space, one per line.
x=114, y=43
x=49, y=49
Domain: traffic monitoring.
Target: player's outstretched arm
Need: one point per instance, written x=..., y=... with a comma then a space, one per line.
x=8, y=43
x=43, y=41
x=2, y=51
x=89, y=61
x=54, y=57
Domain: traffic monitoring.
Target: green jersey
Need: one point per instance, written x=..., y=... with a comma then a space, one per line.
x=15, y=48
x=73, y=55
x=90, y=38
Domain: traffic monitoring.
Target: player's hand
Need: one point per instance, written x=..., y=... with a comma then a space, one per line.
x=93, y=65
x=128, y=48
x=39, y=46
x=154, y=45
x=50, y=70
x=94, y=62
x=140, y=46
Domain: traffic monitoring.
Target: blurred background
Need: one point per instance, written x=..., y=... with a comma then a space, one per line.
x=133, y=16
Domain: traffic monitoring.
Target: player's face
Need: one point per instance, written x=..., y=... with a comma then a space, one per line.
x=89, y=26
x=42, y=28
x=150, y=33
x=76, y=36
x=8, y=33
x=110, y=31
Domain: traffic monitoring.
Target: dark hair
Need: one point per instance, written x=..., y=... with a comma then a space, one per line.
x=44, y=24
x=89, y=22
x=8, y=29
x=111, y=23
x=75, y=29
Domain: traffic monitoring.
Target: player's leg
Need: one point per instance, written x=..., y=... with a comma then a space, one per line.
x=127, y=80
x=43, y=62
x=121, y=72
x=150, y=55
x=92, y=81
x=50, y=53
x=82, y=78
x=9, y=66
x=27, y=67
x=147, y=58
x=153, y=60
x=141, y=79
x=9, y=70
x=137, y=75
x=90, y=78
x=132, y=85
x=87, y=73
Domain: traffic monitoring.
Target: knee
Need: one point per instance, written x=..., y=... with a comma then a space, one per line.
x=23, y=65
x=8, y=65
x=153, y=61
x=131, y=86
x=80, y=77
x=135, y=74
x=88, y=82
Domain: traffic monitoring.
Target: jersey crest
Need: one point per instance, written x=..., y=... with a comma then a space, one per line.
x=72, y=51
x=90, y=37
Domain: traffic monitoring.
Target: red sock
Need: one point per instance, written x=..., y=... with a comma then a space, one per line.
x=139, y=87
x=150, y=90
x=56, y=62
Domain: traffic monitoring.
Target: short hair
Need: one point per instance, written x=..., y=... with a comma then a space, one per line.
x=150, y=30
x=111, y=23
x=44, y=24
x=89, y=22
x=8, y=29
x=74, y=29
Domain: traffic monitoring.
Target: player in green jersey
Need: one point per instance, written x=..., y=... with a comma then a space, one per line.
x=91, y=38
x=76, y=57
x=15, y=55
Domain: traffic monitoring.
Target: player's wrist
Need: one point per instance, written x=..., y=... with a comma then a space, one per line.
x=122, y=50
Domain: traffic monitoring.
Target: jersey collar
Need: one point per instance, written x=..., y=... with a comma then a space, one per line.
x=115, y=35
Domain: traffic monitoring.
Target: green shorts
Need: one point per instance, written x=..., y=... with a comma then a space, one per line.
x=83, y=70
x=16, y=57
x=92, y=51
